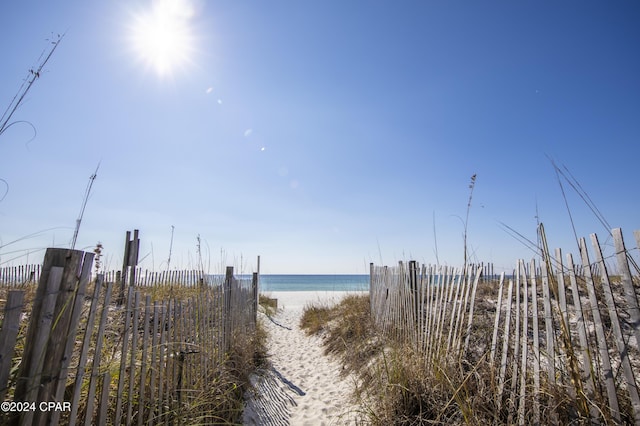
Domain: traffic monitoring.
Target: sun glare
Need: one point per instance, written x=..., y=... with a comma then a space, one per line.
x=163, y=37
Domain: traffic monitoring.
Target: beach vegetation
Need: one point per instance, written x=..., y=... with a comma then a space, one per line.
x=350, y=333
x=399, y=382
x=316, y=317
x=215, y=397
x=394, y=384
x=268, y=305
x=221, y=394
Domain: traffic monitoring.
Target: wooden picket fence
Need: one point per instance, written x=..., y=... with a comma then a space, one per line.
x=13, y=276
x=183, y=277
x=143, y=362
x=561, y=341
x=20, y=274
x=146, y=278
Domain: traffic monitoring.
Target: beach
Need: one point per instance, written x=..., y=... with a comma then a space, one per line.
x=303, y=386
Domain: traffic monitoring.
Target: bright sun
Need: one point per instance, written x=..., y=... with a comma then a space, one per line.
x=163, y=37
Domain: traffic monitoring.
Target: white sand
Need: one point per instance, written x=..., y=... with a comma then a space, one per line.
x=304, y=386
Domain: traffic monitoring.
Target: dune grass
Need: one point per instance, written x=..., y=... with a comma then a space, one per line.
x=268, y=305
x=395, y=384
x=213, y=397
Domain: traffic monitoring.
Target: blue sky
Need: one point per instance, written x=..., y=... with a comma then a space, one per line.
x=320, y=135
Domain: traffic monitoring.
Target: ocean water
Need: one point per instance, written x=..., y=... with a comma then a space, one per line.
x=314, y=283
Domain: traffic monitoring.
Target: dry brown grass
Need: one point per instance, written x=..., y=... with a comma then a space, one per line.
x=348, y=330
x=399, y=386
x=268, y=304
x=216, y=397
x=315, y=318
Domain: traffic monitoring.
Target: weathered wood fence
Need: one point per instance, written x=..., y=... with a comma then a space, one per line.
x=183, y=277
x=12, y=276
x=21, y=274
x=143, y=362
x=561, y=340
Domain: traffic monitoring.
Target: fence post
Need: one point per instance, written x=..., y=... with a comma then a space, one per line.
x=130, y=259
x=123, y=274
x=54, y=320
x=226, y=315
x=254, y=288
x=372, y=292
x=413, y=285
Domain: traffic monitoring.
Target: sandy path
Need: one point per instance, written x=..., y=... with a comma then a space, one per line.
x=304, y=386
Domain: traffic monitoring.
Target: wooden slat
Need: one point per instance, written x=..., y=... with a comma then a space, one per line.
x=41, y=322
x=164, y=358
x=576, y=392
x=431, y=294
x=142, y=388
x=425, y=283
x=104, y=400
x=454, y=310
x=515, y=371
x=155, y=364
x=494, y=338
x=471, y=308
x=97, y=356
x=549, y=328
x=525, y=332
x=79, y=279
x=535, y=322
x=446, y=310
x=505, y=346
x=585, y=350
x=176, y=328
x=462, y=307
x=128, y=314
x=132, y=360
x=82, y=361
x=620, y=341
x=8, y=334
x=627, y=284
x=614, y=408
